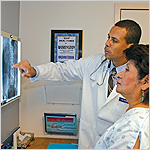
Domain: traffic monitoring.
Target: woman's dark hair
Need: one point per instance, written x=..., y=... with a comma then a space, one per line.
x=133, y=30
x=139, y=53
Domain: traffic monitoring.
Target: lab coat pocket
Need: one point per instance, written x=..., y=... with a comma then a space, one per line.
x=86, y=130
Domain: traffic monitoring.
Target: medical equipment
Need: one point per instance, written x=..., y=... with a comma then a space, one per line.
x=58, y=123
x=98, y=68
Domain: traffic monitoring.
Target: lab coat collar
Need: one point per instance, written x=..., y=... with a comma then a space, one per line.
x=101, y=72
x=112, y=95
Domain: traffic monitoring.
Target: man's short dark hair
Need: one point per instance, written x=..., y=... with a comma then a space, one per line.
x=133, y=30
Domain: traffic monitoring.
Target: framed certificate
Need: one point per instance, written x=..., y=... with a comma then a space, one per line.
x=66, y=45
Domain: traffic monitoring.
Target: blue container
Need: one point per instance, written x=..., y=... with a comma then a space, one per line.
x=62, y=146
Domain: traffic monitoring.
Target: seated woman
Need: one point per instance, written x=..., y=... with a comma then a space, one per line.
x=131, y=131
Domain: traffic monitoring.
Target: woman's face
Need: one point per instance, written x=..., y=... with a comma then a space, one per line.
x=128, y=83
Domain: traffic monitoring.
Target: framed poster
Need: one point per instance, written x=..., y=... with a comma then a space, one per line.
x=66, y=45
x=59, y=123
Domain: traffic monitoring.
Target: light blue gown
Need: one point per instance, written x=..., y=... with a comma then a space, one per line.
x=124, y=133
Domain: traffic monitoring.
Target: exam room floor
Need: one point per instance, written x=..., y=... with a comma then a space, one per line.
x=42, y=143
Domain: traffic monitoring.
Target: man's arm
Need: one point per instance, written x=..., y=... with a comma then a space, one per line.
x=70, y=70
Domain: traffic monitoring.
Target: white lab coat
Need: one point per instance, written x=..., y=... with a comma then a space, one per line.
x=97, y=111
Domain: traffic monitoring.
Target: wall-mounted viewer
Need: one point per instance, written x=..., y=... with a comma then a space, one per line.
x=10, y=78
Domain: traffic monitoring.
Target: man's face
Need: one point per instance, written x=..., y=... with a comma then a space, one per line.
x=116, y=44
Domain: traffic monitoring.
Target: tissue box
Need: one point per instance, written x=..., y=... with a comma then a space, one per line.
x=65, y=124
x=25, y=142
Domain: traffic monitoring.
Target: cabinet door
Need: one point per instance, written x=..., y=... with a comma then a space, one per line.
x=139, y=12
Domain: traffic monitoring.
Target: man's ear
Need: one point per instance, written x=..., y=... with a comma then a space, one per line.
x=145, y=82
x=130, y=45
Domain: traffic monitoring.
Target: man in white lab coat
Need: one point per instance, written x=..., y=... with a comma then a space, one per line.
x=98, y=109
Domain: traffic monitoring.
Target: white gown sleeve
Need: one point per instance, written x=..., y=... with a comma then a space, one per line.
x=144, y=135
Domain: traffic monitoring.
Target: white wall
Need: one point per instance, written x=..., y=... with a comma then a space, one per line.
x=9, y=24
x=36, y=21
x=10, y=17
